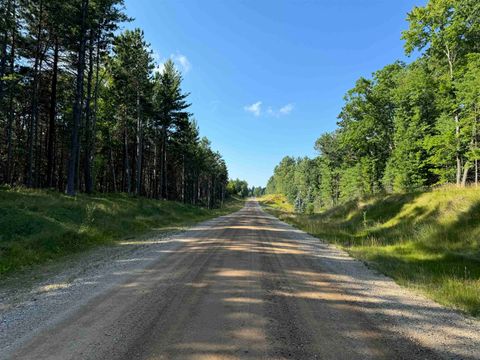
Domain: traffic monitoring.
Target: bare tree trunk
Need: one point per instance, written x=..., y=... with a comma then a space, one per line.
x=11, y=112
x=155, y=165
x=112, y=166
x=52, y=117
x=126, y=162
x=475, y=146
x=197, y=190
x=476, y=173
x=38, y=127
x=194, y=188
x=112, y=163
x=77, y=107
x=165, y=172
x=183, y=179
x=88, y=119
x=466, y=168
x=161, y=169
x=451, y=60
x=32, y=132
x=164, y=185
x=138, y=188
x=60, y=179
x=95, y=111
x=457, y=152
x=3, y=59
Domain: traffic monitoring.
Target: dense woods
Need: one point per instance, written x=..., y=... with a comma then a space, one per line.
x=240, y=188
x=82, y=108
x=409, y=126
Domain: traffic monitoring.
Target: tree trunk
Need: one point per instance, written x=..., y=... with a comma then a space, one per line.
x=60, y=176
x=465, y=174
x=195, y=190
x=475, y=144
x=112, y=165
x=164, y=185
x=476, y=160
x=52, y=118
x=183, y=179
x=77, y=107
x=165, y=170
x=11, y=112
x=3, y=59
x=161, y=166
x=88, y=119
x=457, y=151
x=223, y=194
x=32, y=132
x=95, y=112
x=128, y=182
x=38, y=128
x=138, y=188
x=155, y=175
x=476, y=173
x=450, y=59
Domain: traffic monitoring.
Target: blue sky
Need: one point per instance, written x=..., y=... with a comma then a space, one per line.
x=268, y=77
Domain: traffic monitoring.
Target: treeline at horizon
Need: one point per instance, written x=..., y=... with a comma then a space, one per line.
x=82, y=108
x=241, y=188
x=409, y=126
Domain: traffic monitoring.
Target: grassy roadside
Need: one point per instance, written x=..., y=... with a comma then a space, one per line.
x=39, y=226
x=428, y=241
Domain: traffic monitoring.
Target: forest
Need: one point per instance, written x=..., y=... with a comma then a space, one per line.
x=82, y=108
x=240, y=188
x=409, y=126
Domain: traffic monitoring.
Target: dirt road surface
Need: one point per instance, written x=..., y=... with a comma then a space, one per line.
x=249, y=286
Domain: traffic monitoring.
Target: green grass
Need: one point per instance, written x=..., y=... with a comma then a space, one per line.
x=39, y=226
x=429, y=241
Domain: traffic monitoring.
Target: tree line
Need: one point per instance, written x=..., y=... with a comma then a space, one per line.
x=82, y=107
x=409, y=126
x=240, y=188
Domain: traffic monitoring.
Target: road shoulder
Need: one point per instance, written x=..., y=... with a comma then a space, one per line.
x=394, y=309
x=41, y=298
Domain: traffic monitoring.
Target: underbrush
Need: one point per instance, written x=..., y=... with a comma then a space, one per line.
x=39, y=226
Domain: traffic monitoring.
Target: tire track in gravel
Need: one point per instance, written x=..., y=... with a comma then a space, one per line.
x=248, y=286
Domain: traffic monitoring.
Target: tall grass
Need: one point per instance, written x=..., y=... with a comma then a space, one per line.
x=38, y=226
x=427, y=240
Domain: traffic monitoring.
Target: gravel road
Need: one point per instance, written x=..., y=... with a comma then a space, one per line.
x=242, y=286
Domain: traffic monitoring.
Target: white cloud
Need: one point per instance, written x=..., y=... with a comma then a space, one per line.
x=159, y=62
x=285, y=110
x=156, y=56
x=183, y=61
x=255, y=109
x=159, y=68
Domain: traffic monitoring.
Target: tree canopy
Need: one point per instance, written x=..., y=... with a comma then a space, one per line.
x=82, y=108
x=409, y=126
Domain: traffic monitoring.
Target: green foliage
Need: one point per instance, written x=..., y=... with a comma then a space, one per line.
x=257, y=191
x=299, y=204
x=85, y=107
x=408, y=127
x=408, y=168
x=298, y=179
x=238, y=187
